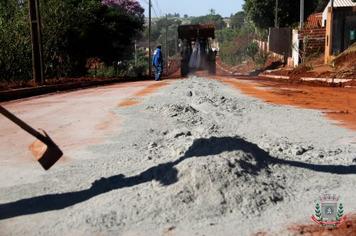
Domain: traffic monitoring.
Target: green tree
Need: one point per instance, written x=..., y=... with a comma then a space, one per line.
x=15, y=41
x=234, y=52
x=212, y=11
x=73, y=31
x=262, y=14
x=233, y=43
x=214, y=19
x=321, y=5
x=238, y=20
x=226, y=35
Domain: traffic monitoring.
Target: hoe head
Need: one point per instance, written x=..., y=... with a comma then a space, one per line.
x=46, y=151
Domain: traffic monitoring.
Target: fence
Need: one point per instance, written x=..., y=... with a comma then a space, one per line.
x=262, y=45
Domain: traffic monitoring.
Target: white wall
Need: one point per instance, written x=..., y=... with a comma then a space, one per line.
x=295, y=48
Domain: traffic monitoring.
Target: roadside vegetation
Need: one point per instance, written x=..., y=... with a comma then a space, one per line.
x=74, y=32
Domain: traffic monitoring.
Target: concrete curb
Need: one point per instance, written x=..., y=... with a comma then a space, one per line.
x=9, y=95
x=274, y=76
x=327, y=80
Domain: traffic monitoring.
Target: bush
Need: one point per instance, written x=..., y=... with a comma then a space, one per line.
x=233, y=44
x=252, y=50
x=261, y=58
x=234, y=52
x=104, y=72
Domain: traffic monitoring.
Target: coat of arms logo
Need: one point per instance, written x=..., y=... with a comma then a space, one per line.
x=328, y=211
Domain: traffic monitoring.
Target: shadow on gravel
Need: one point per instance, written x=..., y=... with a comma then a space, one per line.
x=165, y=173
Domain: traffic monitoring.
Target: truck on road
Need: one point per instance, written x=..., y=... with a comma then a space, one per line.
x=196, y=48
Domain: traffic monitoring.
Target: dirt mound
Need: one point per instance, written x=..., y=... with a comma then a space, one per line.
x=345, y=63
x=346, y=58
x=302, y=70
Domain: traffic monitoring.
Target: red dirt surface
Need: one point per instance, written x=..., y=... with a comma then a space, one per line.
x=336, y=103
x=346, y=229
x=128, y=102
x=144, y=92
x=62, y=115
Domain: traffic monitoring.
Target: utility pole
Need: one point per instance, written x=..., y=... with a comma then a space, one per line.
x=276, y=15
x=36, y=36
x=149, y=40
x=166, y=42
x=301, y=23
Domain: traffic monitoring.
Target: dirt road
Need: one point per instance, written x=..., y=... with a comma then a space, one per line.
x=75, y=120
x=184, y=157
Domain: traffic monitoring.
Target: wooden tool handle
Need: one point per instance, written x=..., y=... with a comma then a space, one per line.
x=23, y=125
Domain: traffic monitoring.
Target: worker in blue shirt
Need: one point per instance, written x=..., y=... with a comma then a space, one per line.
x=157, y=62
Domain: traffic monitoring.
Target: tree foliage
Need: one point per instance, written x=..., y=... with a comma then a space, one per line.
x=262, y=12
x=211, y=18
x=234, y=43
x=15, y=47
x=321, y=5
x=158, y=33
x=73, y=31
x=226, y=35
x=252, y=50
x=237, y=20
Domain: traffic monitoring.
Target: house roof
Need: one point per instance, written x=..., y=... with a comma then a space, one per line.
x=337, y=4
x=343, y=3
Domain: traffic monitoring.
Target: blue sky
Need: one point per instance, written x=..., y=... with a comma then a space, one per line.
x=194, y=7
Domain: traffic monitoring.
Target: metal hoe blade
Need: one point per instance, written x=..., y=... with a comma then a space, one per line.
x=52, y=154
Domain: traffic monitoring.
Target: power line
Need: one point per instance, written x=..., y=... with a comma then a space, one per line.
x=156, y=9
x=153, y=8
x=159, y=9
x=155, y=12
